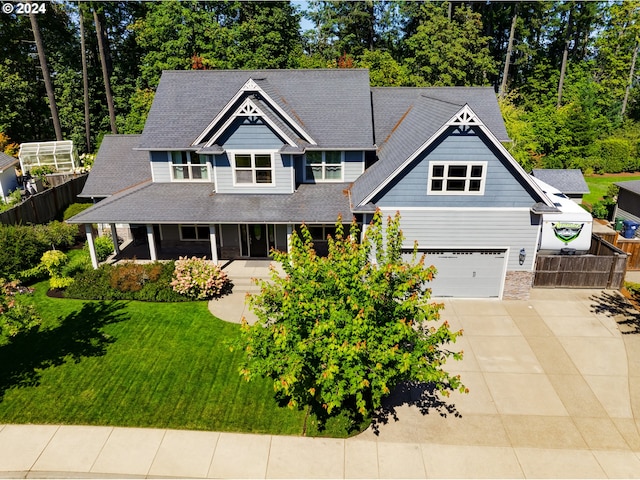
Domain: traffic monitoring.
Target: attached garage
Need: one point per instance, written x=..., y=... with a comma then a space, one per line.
x=467, y=273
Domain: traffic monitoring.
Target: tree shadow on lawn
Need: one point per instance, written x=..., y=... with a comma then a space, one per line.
x=80, y=334
x=425, y=396
x=624, y=312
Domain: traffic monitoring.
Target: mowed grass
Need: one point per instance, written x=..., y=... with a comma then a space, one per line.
x=138, y=365
x=598, y=185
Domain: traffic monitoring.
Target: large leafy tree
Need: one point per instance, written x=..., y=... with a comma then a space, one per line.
x=337, y=333
x=449, y=51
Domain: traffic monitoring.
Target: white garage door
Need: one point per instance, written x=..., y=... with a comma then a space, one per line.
x=467, y=273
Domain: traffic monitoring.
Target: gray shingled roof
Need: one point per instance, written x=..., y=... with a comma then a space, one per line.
x=568, y=181
x=196, y=203
x=631, y=185
x=333, y=105
x=405, y=118
x=117, y=167
x=7, y=161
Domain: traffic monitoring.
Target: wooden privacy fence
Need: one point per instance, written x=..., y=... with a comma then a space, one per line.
x=631, y=246
x=45, y=206
x=603, y=267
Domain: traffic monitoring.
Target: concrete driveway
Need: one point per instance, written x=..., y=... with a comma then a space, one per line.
x=554, y=393
x=554, y=390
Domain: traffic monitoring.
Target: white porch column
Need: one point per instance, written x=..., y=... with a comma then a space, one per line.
x=289, y=232
x=152, y=243
x=214, y=243
x=92, y=248
x=114, y=238
x=365, y=225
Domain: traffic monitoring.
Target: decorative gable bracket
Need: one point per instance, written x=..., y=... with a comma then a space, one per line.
x=250, y=86
x=465, y=117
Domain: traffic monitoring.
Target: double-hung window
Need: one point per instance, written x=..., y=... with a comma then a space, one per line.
x=457, y=178
x=323, y=166
x=189, y=166
x=253, y=168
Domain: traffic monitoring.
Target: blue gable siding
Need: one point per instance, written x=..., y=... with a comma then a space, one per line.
x=503, y=188
x=243, y=134
x=248, y=136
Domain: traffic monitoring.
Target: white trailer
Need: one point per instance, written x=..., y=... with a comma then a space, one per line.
x=570, y=229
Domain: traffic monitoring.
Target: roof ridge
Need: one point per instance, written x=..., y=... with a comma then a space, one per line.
x=456, y=104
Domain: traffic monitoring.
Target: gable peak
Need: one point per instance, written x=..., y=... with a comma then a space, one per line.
x=250, y=85
x=465, y=117
x=248, y=109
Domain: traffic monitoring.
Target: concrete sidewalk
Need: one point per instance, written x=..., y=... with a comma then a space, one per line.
x=554, y=393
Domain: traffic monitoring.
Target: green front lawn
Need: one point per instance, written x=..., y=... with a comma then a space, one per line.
x=139, y=365
x=598, y=185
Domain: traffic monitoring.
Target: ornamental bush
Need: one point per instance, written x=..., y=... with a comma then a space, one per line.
x=15, y=316
x=54, y=262
x=198, y=278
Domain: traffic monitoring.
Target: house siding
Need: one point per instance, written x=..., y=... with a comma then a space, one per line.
x=243, y=135
x=448, y=228
x=160, y=167
x=629, y=202
x=283, y=181
x=353, y=165
x=8, y=182
x=502, y=189
x=626, y=215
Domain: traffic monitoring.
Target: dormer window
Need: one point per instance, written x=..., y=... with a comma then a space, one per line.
x=189, y=166
x=456, y=178
x=253, y=168
x=323, y=166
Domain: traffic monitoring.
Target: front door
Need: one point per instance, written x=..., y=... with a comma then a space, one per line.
x=258, y=240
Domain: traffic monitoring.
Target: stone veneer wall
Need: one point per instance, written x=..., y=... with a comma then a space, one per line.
x=517, y=285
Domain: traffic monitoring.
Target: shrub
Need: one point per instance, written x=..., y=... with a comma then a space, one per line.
x=617, y=155
x=103, y=246
x=74, y=209
x=79, y=260
x=60, y=282
x=58, y=235
x=128, y=277
x=13, y=199
x=15, y=317
x=21, y=249
x=198, y=278
x=54, y=261
x=33, y=274
x=150, y=282
x=93, y=285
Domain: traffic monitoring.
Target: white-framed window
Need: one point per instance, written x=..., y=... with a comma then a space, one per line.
x=323, y=166
x=189, y=166
x=253, y=168
x=456, y=178
x=194, y=233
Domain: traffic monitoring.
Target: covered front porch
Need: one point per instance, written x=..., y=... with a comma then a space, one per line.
x=171, y=221
x=217, y=242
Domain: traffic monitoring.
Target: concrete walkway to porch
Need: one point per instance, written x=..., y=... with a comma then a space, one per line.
x=242, y=273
